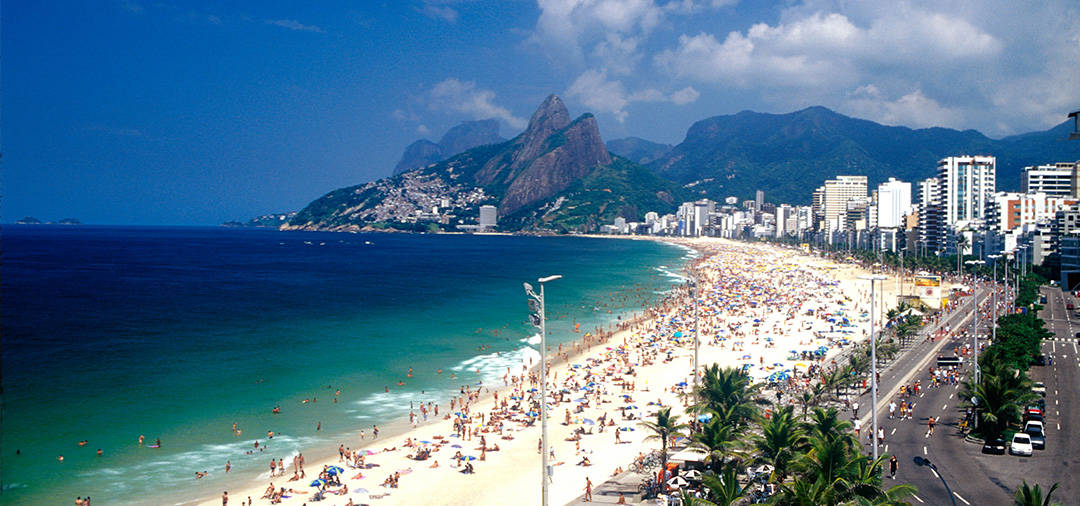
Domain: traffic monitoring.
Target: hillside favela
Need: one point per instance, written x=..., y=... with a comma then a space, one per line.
x=453, y=252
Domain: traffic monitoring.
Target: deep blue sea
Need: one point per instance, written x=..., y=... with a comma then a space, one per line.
x=110, y=333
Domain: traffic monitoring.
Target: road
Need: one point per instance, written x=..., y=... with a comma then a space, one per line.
x=977, y=478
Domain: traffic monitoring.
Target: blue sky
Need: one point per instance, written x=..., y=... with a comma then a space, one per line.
x=162, y=112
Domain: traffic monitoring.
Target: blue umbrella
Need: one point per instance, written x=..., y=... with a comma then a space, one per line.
x=532, y=413
x=467, y=457
x=626, y=429
x=318, y=483
x=580, y=399
x=455, y=446
x=681, y=384
x=705, y=417
x=588, y=421
x=334, y=470
x=426, y=442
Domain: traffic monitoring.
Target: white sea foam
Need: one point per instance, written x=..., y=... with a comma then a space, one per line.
x=532, y=340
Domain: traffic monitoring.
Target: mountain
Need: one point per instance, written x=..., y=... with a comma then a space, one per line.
x=274, y=220
x=556, y=175
x=788, y=155
x=467, y=135
x=638, y=150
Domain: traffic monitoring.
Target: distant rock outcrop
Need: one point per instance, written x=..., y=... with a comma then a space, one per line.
x=463, y=137
x=638, y=150
x=557, y=174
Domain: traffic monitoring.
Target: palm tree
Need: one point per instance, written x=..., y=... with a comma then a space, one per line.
x=780, y=442
x=1033, y=496
x=724, y=388
x=724, y=489
x=665, y=427
x=826, y=425
x=718, y=438
x=1001, y=394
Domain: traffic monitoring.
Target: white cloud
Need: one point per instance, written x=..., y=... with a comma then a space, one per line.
x=423, y=130
x=569, y=27
x=443, y=12
x=913, y=109
x=294, y=25
x=602, y=95
x=465, y=97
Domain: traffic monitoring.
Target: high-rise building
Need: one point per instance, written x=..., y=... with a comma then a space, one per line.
x=931, y=225
x=893, y=203
x=837, y=193
x=1055, y=180
x=489, y=216
x=783, y=212
x=759, y=200
x=967, y=182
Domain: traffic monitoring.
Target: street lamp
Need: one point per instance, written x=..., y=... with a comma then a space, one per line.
x=993, y=289
x=975, y=301
x=697, y=331
x=873, y=364
x=919, y=461
x=538, y=318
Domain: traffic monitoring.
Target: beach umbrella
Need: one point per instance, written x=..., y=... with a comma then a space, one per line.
x=677, y=482
x=425, y=442
x=334, y=470
x=626, y=429
x=580, y=399
x=681, y=384
x=589, y=421
x=704, y=417
x=692, y=474
x=455, y=446
x=318, y=483
x=532, y=413
x=467, y=457
x=361, y=491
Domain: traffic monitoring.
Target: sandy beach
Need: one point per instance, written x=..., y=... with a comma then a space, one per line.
x=772, y=310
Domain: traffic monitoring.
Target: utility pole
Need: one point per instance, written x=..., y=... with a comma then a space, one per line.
x=873, y=366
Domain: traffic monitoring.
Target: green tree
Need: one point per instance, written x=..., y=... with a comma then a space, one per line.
x=728, y=389
x=664, y=428
x=1027, y=495
x=781, y=441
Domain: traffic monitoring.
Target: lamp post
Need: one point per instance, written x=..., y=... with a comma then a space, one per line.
x=538, y=318
x=975, y=301
x=697, y=331
x=993, y=290
x=919, y=461
x=873, y=364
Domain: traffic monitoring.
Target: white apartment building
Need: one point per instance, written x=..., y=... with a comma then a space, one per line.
x=489, y=216
x=893, y=203
x=967, y=182
x=837, y=192
x=1011, y=215
x=1055, y=180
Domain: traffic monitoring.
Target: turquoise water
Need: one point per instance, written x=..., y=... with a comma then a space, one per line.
x=177, y=333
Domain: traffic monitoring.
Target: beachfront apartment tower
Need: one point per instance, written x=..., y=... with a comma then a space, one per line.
x=837, y=192
x=489, y=217
x=1055, y=180
x=967, y=182
x=893, y=203
x=931, y=226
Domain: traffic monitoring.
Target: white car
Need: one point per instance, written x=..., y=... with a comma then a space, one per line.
x=1021, y=444
x=1039, y=388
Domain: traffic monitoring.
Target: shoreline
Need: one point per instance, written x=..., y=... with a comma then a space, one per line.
x=517, y=451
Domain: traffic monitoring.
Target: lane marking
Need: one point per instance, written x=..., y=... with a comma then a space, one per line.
x=961, y=498
x=924, y=450
x=893, y=431
x=950, y=396
x=943, y=407
x=886, y=448
x=1059, y=426
x=917, y=498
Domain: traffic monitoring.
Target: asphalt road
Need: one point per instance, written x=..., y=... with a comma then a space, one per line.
x=977, y=478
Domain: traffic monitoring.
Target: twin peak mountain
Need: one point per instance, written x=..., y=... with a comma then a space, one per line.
x=556, y=175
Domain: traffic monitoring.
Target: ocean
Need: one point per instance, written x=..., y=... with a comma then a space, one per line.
x=177, y=333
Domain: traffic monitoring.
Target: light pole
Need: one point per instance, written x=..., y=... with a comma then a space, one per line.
x=697, y=331
x=993, y=289
x=538, y=318
x=919, y=461
x=873, y=364
x=975, y=301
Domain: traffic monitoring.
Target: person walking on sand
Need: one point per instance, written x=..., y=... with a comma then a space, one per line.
x=225, y=498
x=588, y=489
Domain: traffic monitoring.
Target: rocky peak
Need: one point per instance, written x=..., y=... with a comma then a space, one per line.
x=470, y=134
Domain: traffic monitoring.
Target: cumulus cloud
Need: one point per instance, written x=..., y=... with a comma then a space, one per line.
x=573, y=27
x=929, y=63
x=602, y=95
x=465, y=97
x=294, y=25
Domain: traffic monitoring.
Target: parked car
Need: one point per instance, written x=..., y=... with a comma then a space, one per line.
x=1021, y=444
x=1038, y=436
x=1039, y=388
x=1032, y=414
x=995, y=446
x=1040, y=360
